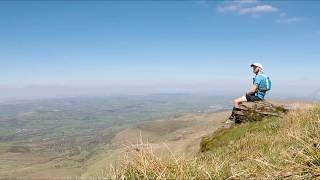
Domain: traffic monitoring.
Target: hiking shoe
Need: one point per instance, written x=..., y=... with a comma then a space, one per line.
x=228, y=121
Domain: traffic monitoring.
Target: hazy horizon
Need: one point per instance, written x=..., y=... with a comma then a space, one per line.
x=52, y=92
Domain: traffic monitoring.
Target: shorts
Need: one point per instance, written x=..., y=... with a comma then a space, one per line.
x=252, y=98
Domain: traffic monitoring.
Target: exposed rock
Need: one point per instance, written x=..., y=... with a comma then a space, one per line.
x=256, y=111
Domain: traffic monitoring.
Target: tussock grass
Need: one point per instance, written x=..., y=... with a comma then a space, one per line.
x=275, y=148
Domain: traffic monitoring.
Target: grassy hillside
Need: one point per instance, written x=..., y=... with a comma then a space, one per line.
x=275, y=148
x=181, y=134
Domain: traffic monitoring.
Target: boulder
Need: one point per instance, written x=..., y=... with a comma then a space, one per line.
x=256, y=111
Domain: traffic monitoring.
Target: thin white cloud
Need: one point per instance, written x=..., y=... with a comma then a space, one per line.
x=246, y=7
x=235, y=5
x=258, y=9
x=228, y=8
x=285, y=19
x=283, y=14
x=255, y=8
x=289, y=20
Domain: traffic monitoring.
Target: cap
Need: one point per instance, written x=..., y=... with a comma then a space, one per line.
x=257, y=65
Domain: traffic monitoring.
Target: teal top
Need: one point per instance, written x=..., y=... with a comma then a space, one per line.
x=261, y=81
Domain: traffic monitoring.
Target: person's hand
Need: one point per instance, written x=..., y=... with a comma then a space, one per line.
x=249, y=93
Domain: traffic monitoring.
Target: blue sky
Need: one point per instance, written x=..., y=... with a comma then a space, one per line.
x=153, y=46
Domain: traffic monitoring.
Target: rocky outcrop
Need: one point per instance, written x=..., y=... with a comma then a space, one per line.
x=256, y=111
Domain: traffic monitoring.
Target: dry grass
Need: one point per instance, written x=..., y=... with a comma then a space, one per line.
x=276, y=148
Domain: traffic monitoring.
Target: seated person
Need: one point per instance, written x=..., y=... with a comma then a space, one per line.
x=261, y=84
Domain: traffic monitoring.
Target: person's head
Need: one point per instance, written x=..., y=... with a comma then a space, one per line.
x=257, y=68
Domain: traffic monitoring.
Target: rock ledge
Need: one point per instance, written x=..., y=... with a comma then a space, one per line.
x=256, y=111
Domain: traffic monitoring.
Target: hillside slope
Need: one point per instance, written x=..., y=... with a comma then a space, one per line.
x=178, y=135
x=275, y=148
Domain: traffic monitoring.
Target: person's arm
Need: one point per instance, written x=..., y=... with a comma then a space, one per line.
x=253, y=89
x=255, y=86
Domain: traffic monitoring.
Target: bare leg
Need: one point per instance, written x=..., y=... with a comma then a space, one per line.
x=239, y=100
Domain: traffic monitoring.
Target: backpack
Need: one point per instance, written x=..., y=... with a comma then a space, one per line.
x=268, y=84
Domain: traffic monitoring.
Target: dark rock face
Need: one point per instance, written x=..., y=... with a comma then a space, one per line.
x=256, y=111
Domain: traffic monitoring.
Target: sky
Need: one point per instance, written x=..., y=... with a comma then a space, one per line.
x=76, y=47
